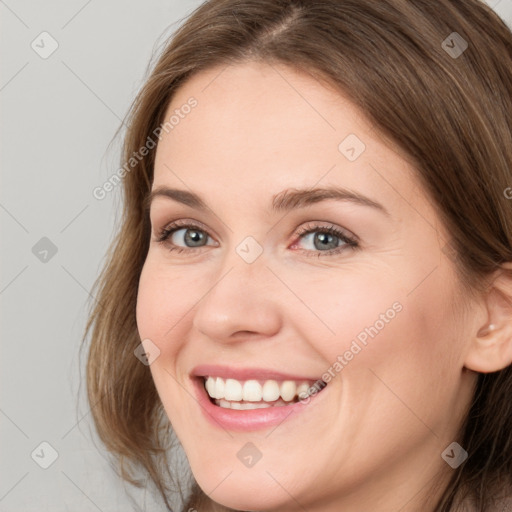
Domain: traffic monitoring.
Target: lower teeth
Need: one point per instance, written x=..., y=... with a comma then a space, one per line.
x=250, y=405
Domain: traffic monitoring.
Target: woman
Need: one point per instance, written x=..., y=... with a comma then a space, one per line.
x=375, y=375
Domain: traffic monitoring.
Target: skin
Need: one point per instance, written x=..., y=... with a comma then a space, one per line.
x=376, y=441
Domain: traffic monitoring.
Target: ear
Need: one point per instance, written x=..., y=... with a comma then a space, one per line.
x=491, y=346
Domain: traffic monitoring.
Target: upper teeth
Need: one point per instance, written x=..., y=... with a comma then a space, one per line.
x=254, y=391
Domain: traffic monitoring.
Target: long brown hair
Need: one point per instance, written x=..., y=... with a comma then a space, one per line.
x=451, y=115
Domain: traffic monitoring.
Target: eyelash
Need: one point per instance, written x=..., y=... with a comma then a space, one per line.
x=351, y=242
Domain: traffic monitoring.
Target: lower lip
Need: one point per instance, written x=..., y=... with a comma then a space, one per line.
x=250, y=419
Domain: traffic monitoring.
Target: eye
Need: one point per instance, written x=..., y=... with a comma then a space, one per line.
x=194, y=236
x=325, y=238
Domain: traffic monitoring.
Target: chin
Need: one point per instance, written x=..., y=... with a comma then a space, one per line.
x=244, y=493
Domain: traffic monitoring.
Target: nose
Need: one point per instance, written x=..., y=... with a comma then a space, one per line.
x=245, y=299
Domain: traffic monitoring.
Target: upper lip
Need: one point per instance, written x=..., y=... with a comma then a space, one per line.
x=242, y=374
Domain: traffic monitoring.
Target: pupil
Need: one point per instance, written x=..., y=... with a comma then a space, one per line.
x=324, y=238
x=195, y=237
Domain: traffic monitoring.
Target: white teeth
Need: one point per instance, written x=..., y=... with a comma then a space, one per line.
x=288, y=390
x=219, y=388
x=252, y=391
x=231, y=391
x=302, y=390
x=270, y=391
x=210, y=387
x=243, y=406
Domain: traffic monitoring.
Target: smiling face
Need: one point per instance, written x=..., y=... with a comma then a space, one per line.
x=266, y=286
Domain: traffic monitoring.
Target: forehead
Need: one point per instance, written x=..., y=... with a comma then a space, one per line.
x=258, y=129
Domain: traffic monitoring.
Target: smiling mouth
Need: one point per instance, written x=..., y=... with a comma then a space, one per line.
x=258, y=394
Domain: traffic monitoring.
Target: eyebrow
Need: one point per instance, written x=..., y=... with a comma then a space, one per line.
x=286, y=200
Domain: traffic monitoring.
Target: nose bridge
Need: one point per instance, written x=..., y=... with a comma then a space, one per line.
x=240, y=298
x=247, y=257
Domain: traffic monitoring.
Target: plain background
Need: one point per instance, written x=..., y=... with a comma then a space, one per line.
x=59, y=115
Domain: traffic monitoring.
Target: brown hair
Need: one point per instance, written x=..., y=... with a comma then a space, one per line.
x=450, y=116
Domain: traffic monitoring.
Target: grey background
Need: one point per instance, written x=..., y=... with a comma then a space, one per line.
x=59, y=115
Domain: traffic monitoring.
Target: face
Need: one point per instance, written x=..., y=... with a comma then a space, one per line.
x=268, y=290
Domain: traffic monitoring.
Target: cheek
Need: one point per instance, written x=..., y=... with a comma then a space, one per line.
x=351, y=313
x=160, y=308
x=378, y=322
x=159, y=313
x=147, y=317
x=410, y=366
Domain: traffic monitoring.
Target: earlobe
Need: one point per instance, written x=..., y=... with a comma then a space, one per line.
x=491, y=347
